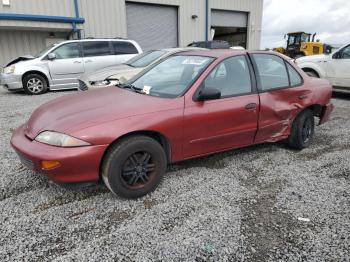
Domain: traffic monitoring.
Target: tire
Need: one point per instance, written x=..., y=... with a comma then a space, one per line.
x=134, y=166
x=302, y=130
x=311, y=74
x=34, y=84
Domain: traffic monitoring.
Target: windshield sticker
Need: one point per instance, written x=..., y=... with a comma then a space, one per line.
x=146, y=89
x=194, y=61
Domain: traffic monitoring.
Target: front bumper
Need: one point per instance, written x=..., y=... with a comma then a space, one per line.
x=78, y=164
x=11, y=81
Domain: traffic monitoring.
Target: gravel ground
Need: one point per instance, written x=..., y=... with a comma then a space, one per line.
x=241, y=205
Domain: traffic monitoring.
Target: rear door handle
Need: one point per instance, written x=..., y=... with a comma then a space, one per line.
x=250, y=106
x=88, y=61
x=77, y=62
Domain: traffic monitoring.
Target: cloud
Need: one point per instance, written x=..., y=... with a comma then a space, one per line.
x=330, y=19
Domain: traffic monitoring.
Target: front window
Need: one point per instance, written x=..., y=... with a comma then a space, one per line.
x=172, y=77
x=66, y=51
x=146, y=58
x=46, y=49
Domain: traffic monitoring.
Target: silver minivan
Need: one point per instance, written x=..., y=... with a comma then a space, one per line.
x=60, y=65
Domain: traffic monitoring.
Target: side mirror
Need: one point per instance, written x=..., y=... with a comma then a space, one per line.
x=51, y=56
x=208, y=94
x=336, y=55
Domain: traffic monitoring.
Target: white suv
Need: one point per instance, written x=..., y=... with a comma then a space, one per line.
x=60, y=65
x=335, y=67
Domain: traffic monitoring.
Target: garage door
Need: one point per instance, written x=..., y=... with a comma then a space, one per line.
x=228, y=18
x=16, y=43
x=152, y=26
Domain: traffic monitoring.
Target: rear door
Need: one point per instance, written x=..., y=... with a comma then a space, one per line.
x=97, y=55
x=282, y=95
x=123, y=51
x=67, y=66
x=338, y=70
x=227, y=122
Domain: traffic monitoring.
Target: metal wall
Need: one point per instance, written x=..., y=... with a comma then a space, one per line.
x=107, y=18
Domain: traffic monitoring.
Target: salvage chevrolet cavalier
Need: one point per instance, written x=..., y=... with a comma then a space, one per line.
x=191, y=104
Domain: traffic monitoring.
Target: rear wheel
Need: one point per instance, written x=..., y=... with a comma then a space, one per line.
x=34, y=84
x=302, y=130
x=134, y=166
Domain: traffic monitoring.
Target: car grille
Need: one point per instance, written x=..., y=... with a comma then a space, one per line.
x=82, y=85
x=25, y=161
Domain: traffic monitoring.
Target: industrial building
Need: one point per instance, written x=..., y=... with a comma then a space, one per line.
x=28, y=26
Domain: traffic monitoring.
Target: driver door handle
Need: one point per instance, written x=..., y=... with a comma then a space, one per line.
x=77, y=62
x=250, y=106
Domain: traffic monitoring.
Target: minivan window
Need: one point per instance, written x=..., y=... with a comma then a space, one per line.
x=65, y=51
x=42, y=52
x=124, y=48
x=146, y=58
x=271, y=71
x=96, y=48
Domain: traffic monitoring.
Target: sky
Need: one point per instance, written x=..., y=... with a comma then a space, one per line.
x=330, y=19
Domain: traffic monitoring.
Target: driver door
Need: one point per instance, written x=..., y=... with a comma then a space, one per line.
x=338, y=68
x=225, y=123
x=67, y=66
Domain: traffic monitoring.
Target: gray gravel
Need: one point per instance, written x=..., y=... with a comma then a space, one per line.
x=240, y=205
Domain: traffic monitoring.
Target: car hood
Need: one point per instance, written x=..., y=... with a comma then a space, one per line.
x=20, y=59
x=106, y=72
x=312, y=58
x=75, y=112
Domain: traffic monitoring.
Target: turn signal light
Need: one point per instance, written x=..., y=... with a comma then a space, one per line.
x=49, y=164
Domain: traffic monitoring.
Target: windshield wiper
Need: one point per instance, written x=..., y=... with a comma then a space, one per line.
x=132, y=88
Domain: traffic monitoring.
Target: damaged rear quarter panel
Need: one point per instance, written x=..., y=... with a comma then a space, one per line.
x=278, y=109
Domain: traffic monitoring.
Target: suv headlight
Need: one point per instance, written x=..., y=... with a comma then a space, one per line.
x=59, y=139
x=9, y=69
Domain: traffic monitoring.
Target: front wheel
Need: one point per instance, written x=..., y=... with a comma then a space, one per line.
x=134, y=166
x=34, y=84
x=302, y=130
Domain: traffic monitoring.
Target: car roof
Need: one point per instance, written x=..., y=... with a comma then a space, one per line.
x=216, y=53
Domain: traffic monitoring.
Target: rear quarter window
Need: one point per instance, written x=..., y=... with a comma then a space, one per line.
x=295, y=78
x=124, y=48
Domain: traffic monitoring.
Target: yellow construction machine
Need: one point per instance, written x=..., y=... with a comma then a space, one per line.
x=300, y=44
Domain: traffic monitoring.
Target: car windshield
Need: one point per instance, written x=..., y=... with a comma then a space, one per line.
x=146, y=58
x=42, y=52
x=171, y=77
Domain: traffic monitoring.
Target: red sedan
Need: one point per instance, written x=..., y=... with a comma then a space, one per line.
x=192, y=104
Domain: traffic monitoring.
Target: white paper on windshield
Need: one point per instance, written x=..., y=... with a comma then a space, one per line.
x=194, y=61
x=146, y=89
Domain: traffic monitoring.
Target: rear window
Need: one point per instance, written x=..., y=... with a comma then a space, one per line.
x=272, y=71
x=124, y=48
x=146, y=59
x=96, y=48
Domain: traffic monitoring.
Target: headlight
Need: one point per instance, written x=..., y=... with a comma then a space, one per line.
x=106, y=82
x=100, y=83
x=59, y=139
x=10, y=69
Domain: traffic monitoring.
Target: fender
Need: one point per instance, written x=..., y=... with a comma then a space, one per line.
x=40, y=66
x=314, y=66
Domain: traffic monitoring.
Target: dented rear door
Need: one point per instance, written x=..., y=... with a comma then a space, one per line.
x=282, y=96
